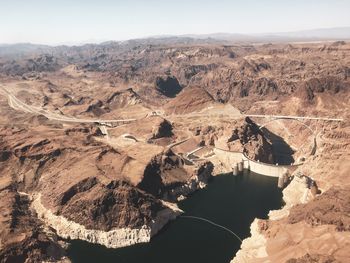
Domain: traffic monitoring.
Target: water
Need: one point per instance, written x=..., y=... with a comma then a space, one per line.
x=230, y=201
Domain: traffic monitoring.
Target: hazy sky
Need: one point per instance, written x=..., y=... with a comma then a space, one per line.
x=74, y=21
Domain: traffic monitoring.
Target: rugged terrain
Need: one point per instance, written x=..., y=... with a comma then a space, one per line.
x=95, y=141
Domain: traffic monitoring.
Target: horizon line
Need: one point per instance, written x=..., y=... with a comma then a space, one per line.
x=281, y=34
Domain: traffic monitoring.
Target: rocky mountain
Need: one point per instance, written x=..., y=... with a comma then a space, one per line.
x=97, y=141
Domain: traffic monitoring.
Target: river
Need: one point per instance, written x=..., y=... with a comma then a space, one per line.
x=230, y=201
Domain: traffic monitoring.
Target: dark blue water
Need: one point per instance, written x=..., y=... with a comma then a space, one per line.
x=230, y=201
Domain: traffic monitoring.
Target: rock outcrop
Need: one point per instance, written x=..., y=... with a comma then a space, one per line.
x=189, y=100
x=107, y=196
x=123, y=98
x=253, y=141
x=163, y=129
x=330, y=208
x=23, y=238
x=187, y=90
x=112, y=238
x=167, y=176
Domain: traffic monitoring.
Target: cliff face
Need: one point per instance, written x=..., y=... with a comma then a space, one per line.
x=86, y=189
x=310, y=219
x=23, y=237
x=242, y=135
x=331, y=208
x=169, y=177
x=176, y=91
x=253, y=141
x=105, y=207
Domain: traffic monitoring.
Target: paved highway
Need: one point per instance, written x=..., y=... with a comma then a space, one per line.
x=20, y=105
x=17, y=104
x=293, y=117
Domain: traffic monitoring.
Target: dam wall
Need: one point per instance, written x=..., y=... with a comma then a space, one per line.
x=230, y=158
x=227, y=158
x=265, y=168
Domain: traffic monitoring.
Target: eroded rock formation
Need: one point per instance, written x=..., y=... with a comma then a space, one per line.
x=86, y=183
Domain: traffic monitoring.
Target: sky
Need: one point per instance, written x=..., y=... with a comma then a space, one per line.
x=80, y=21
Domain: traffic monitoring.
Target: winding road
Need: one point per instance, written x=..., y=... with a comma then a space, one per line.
x=17, y=104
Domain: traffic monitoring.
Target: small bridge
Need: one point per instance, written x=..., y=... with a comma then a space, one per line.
x=290, y=117
x=300, y=120
x=108, y=123
x=297, y=120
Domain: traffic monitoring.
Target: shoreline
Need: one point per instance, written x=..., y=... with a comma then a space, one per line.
x=253, y=248
x=115, y=238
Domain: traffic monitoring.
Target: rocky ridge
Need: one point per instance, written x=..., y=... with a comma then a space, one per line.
x=196, y=88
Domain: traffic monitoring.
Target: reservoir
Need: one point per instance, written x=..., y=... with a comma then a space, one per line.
x=230, y=201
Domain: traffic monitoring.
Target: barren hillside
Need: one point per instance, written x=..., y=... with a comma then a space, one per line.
x=96, y=139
